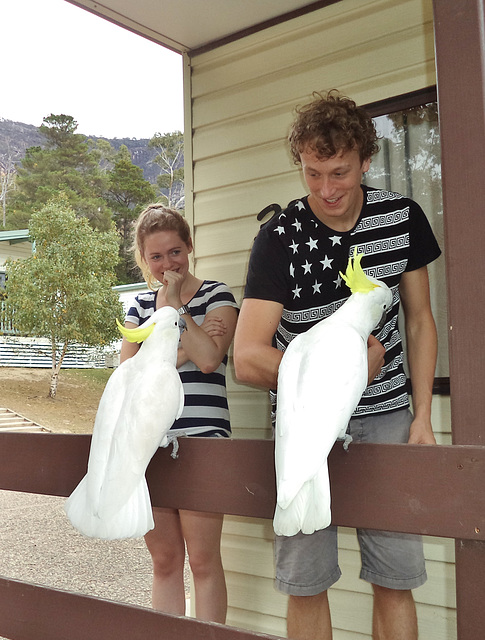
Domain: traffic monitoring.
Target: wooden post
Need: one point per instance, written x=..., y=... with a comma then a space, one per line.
x=460, y=45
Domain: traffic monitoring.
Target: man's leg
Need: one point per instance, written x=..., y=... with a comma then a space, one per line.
x=309, y=618
x=394, y=615
x=306, y=566
x=392, y=562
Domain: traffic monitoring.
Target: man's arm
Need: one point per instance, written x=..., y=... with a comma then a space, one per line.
x=255, y=359
x=422, y=344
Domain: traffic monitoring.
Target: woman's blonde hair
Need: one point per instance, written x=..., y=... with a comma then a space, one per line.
x=157, y=217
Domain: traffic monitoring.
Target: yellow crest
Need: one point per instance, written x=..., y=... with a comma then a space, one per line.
x=355, y=278
x=135, y=335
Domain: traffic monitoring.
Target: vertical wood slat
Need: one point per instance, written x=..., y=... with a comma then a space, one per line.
x=470, y=589
x=460, y=51
x=460, y=66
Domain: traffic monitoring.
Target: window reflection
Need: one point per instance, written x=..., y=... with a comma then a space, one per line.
x=409, y=162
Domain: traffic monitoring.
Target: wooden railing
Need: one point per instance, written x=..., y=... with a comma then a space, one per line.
x=433, y=490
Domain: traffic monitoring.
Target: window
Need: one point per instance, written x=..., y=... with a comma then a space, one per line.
x=409, y=162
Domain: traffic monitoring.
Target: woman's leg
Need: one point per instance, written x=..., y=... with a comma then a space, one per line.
x=202, y=533
x=166, y=546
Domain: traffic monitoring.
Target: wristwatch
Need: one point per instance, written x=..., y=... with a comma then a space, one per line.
x=184, y=310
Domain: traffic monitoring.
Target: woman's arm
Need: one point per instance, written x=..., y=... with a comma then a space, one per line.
x=206, y=345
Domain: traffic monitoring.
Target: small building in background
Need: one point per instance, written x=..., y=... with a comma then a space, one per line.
x=13, y=244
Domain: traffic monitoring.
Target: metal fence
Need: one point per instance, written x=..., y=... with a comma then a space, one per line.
x=16, y=351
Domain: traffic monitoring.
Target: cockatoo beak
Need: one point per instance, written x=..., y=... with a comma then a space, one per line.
x=136, y=335
x=382, y=321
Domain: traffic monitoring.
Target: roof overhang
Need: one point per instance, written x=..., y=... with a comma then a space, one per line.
x=194, y=26
x=16, y=236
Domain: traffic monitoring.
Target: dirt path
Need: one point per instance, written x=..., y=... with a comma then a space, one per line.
x=72, y=411
x=38, y=544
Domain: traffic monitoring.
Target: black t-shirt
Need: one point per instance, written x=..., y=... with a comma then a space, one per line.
x=296, y=260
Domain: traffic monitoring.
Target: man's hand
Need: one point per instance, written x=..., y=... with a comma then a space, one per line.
x=421, y=432
x=375, y=357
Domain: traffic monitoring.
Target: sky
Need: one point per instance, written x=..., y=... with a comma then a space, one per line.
x=60, y=59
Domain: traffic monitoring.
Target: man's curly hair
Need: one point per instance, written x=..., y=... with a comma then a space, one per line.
x=332, y=123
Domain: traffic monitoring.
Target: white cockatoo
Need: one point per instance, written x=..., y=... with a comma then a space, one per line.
x=321, y=378
x=141, y=401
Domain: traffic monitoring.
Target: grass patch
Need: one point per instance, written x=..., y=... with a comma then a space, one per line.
x=95, y=377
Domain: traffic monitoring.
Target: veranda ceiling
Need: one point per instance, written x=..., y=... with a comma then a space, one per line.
x=190, y=25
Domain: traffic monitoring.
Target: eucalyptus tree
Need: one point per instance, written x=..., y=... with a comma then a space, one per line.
x=7, y=182
x=170, y=159
x=63, y=291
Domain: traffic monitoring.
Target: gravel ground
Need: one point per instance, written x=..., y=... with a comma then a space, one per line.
x=39, y=545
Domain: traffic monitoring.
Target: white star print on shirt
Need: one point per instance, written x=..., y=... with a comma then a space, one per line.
x=335, y=240
x=280, y=230
x=316, y=287
x=327, y=263
x=313, y=244
x=338, y=281
x=300, y=205
x=294, y=246
x=297, y=225
x=307, y=267
x=296, y=292
x=292, y=270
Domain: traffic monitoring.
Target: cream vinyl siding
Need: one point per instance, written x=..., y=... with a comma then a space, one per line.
x=240, y=100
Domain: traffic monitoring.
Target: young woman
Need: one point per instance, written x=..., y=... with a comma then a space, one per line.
x=208, y=315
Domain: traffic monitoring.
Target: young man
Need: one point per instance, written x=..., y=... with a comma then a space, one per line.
x=293, y=282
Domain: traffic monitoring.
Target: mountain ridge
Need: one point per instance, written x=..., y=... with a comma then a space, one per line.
x=16, y=137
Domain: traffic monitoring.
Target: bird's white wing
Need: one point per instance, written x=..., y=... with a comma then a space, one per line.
x=82, y=505
x=142, y=425
x=107, y=417
x=321, y=380
x=141, y=401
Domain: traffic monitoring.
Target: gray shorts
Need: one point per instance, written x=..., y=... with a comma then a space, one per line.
x=308, y=564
